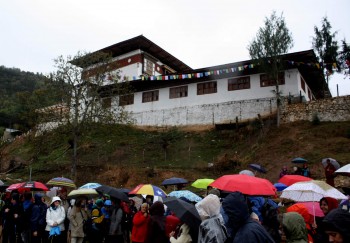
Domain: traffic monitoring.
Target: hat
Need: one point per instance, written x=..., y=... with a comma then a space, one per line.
x=254, y=216
x=99, y=202
x=108, y=203
x=54, y=199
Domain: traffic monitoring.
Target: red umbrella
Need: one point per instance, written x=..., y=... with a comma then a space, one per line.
x=245, y=184
x=28, y=186
x=291, y=179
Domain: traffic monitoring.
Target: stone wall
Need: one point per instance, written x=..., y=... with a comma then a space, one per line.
x=331, y=109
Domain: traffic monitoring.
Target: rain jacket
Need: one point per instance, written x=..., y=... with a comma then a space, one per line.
x=243, y=228
x=294, y=228
x=338, y=220
x=55, y=215
x=212, y=229
x=308, y=219
x=184, y=237
x=139, y=229
x=77, y=218
x=38, y=217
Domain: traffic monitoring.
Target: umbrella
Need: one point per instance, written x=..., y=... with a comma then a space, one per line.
x=345, y=170
x=299, y=160
x=258, y=168
x=202, y=183
x=28, y=186
x=83, y=192
x=148, y=189
x=313, y=208
x=246, y=172
x=93, y=185
x=280, y=186
x=332, y=161
x=245, y=184
x=311, y=191
x=186, y=194
x=185, y=211
x=61, y=181
x=174, y=181
x=113, y=192
x=291, y=179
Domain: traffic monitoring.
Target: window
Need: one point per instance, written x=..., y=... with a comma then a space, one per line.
x=126, y=99
x=302, y=83
x=239, y=83
x=106, y=103
x=149, y=67
x=150, y=96
x=265, y=80
x=206, y=88
x=178, y=92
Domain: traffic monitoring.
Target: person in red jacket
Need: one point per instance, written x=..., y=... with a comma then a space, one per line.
x=140, y=224
x=171, y=224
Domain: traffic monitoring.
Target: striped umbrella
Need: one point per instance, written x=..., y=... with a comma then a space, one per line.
x=148, y=189
x=61, y=181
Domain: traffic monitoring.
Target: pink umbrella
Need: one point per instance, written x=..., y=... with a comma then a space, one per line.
x=313, y=208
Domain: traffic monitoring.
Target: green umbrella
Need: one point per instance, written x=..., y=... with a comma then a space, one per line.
x=202, y=183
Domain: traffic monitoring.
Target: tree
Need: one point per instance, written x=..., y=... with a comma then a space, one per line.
x=271, y=41
x=90, y=87
x=326, y=47
x=344, y=57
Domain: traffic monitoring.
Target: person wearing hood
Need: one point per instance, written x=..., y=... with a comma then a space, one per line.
x=38, y=218
x=77, y=216
x=156, y=226
x=327, y=204
x=97, y=234
x=184, y=235
x=243, y=228
x=308, y=219
x=55, y=216
x=212, y=228
x=27, y=212
x=11, y=219
x=294, y=228
x=115, y=233
x=337, y=226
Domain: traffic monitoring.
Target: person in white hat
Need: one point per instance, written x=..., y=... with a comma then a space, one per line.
x=55, y=216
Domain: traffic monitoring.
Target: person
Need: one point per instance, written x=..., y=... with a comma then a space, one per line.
x=55, y=216
x=11, y=221
x=77, y=216
x=329, y=173
x=336, y=225
x=242, y=227
x=183, y=236
x=97, y=234
x=140, y=223
x=212, y=228
x=327, y=204
x=149, y=200
x=27, y=212
x=106, y=210
x=284, y=171
x=38, y=219
x=297, y=170
x=156, y=226
x=305, y=171
x=115, y=233
x=62, y=194
x=294, y=228
x=171, y=223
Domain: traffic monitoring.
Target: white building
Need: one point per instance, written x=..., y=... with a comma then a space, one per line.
x=170, y=93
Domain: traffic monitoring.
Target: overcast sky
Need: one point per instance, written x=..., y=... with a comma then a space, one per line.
x=201, y=33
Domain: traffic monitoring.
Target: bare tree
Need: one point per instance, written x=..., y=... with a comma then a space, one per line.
x=271, y=41
x=90, y=87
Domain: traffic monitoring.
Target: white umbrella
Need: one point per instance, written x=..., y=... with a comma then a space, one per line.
x=311, y=191
x=85, y=192
x=345, y=170
x=332, y=161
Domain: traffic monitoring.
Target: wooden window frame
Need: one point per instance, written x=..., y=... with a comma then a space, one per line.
x=150, y=96
x=126, y=99
x=207, y=88
x=266, y=81
x=238, y=83
x=178, y=92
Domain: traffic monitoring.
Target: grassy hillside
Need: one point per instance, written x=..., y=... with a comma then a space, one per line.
x=124, y=156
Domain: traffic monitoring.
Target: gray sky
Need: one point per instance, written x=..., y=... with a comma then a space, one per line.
x=200, y=33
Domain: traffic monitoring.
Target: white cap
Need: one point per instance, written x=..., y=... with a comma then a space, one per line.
x=54, y=199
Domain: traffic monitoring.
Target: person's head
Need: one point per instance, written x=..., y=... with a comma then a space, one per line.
x=108, y=203
x=214, y=191
x=38, y=198
x=336, y=225
x=305, y=165
x=80, y=202
x=55, y=202
x=14, y=198
x=149, y=198
x=28, y=196
x=144, y=208
x=62, y=193
x=327, y=204
x=157, y=209
x=284, y=168
x=99, y=203
x=294, y=227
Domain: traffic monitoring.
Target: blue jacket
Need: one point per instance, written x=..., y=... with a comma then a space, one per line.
x=38, y=217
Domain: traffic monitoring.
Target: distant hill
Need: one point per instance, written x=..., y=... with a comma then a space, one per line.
x=17, y=88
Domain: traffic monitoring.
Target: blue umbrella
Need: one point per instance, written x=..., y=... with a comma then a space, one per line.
x=174, y=181
x=299, y=160
x=186, y=194
x=92, y=185
x=280, y=186
x=258, y=168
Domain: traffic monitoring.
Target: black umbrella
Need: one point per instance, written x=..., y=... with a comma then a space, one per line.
x=299, y=160
x=185, y=211
x=258, y=168
x=113, y=192
x=174, y=181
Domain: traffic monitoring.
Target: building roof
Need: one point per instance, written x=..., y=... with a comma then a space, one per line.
x=144, y=44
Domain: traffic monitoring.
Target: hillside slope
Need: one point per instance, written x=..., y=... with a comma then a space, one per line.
x=123, y=156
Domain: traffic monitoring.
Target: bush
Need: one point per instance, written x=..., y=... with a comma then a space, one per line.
x=315, y=119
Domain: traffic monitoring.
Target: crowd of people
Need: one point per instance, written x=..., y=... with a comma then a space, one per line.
x=224, y=217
